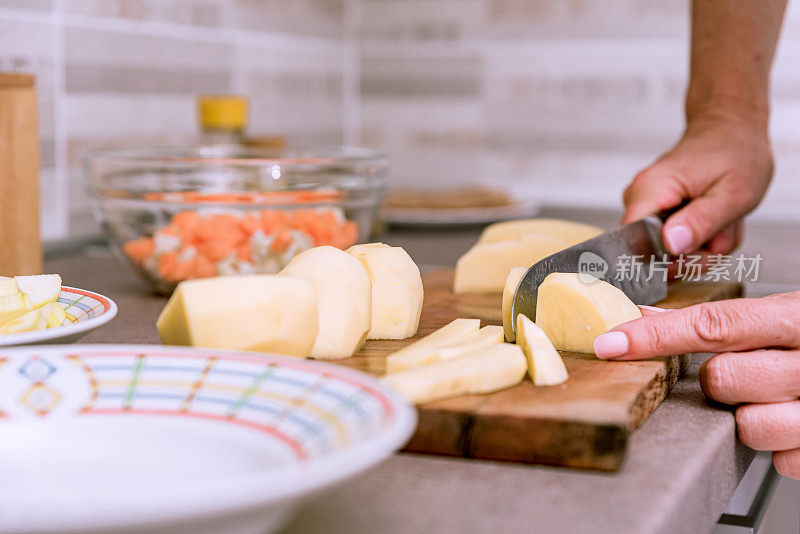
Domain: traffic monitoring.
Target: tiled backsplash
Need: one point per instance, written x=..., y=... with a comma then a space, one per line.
x=561, y=100
x=126, y=72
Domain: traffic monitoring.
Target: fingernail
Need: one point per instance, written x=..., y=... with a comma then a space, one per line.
x=611, y=345
x=652, y=308
x=678, y=238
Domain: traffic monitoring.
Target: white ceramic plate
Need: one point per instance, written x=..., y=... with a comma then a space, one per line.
x=458, y=216
x=85, y=310
x=147, y=438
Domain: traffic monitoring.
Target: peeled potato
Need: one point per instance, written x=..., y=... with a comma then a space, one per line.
x=264, y=313
x=572, y=312
x=344, y=299
x=572, y=232
x=423, y=351
x=515, y=276
x=484, y=268
x=545, y=366
x=396, y=290
x=484, y=370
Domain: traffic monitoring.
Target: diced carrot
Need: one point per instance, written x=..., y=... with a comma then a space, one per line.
x=328, y=219
x=202, y=267
x=323, y=235
x=283, y=238
x=271, y=219
x=170, y=230
x=227, y=227
x=183, y=270
x=167, y=264
x=216, y=249
x=139, y=249
x=244, y=252
x=250, y=223
x=186, y=221
x=347, y=235
x=203, y=232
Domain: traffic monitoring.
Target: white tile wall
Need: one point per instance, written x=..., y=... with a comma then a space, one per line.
x=126, y=73
x=572, y=97
x=563, y=100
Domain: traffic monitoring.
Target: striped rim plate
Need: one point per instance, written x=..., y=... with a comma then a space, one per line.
x=85, y=311
x=140, y=436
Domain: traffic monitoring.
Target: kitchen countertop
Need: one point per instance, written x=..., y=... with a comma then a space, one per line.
x=683, y=464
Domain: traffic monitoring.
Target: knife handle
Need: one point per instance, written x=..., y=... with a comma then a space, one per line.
x=669, y=212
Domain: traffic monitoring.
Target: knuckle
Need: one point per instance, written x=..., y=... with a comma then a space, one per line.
x=712, y=324
x=657, y=336
x=716, y=379
x=702, y=222
x=747, y=426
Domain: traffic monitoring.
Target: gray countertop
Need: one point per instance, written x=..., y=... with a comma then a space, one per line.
x=683, y=464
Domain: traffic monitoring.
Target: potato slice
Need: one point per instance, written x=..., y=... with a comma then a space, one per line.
x=13, y=306
x=515, y=276
x=26, y=322
x=569, y=231
x=573, y=312
x=344, y=299
x=483, y=370
x=8, y=286
x=423, y=351
x=485, y=337
x=485, y=267
x=53, y=314
x=40, y=289
x=545, y=366
x=265, y=313
x=396, y=290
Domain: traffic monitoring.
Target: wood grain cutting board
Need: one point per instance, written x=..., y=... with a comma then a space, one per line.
x=582, y=423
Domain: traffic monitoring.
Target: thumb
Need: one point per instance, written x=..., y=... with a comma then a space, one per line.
x=654, y=189
x=701, y=219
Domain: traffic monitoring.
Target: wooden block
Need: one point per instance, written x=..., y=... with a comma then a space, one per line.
x=584, y=423
x=20, y=245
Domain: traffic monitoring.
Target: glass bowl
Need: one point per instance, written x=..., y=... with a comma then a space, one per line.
x=174, y=214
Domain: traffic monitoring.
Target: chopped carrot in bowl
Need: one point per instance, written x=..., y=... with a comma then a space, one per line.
x=197, y=244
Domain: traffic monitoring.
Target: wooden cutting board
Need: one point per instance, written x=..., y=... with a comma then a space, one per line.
x=582, y=423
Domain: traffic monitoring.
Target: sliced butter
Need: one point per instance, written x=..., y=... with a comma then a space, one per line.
x=509, y=290
x=481, y=371
x=423, y=351
x=485, y=267
x=569, y=231
x=396, y=290
x=545, y=366
x=265, y=313
x=344, y=299
x=572, y=312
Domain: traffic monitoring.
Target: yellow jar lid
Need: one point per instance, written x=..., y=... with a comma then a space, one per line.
x=222, y=112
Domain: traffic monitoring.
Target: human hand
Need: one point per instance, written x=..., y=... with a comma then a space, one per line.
x=758, y=367
x=722, y=166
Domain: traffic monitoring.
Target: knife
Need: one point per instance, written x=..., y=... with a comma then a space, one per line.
x=601, y=257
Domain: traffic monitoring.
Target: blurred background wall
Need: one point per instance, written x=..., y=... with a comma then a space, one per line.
x=561, y=100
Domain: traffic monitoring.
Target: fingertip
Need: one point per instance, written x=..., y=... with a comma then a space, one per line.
x=611, y=345
x=678, y=238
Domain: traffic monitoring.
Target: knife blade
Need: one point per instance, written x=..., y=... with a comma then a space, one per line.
x=601, y=257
